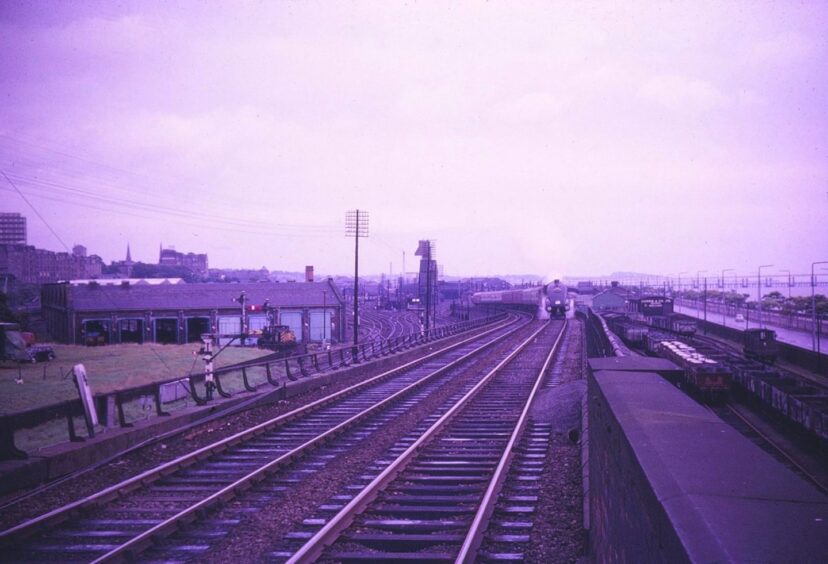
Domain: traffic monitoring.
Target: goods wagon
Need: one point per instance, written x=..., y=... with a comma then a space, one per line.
x=631, y=331
x=702, y=374
x=675, y=322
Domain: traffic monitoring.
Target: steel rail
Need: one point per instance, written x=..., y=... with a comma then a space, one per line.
x=784, y=453
x=165, y=528
x=313, y=547
x=147, y=477
x=474, y=537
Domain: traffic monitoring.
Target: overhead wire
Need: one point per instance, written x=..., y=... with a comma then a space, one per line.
x=75, y=187
x=201, y=224
x=34, y=209
x=57, y=188
x=30, y=162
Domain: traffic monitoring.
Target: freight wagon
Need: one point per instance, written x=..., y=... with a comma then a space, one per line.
x=801, y=403
x=675, y=322
x=632, y=332
x=703, y=375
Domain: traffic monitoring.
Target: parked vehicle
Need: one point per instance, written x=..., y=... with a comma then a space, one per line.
x=14, y=346
x=279, y=338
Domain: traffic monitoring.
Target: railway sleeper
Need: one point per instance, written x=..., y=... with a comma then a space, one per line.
x=398, y=542
x=420, y=557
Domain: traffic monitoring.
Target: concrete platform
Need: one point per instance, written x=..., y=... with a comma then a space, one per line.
x=670, y=482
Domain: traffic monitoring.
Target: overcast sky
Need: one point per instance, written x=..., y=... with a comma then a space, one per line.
x=550, y=138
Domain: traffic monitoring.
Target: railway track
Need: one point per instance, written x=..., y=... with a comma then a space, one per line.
x=137, y=514
x=382, y=324
x=768, y=439
x=435, y=496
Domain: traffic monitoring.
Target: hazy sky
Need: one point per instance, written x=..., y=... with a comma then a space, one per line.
x=522, y=137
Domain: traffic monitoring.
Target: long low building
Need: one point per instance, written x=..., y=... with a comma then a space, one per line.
x=135, y=312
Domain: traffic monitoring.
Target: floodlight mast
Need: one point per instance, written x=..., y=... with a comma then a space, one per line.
x=356, y=226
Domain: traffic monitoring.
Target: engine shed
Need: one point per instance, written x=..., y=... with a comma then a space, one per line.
x=99, y=313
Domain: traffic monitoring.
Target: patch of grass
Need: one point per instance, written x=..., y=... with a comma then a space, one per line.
x=108, y=368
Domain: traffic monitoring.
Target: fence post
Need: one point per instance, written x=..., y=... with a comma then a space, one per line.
x=288, y=373
x=247, y=385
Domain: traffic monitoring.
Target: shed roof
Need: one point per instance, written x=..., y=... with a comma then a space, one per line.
x=609, y=296
x=202, y=296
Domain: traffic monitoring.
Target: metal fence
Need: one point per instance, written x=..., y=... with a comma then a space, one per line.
x=119, y=408
x=795, y=321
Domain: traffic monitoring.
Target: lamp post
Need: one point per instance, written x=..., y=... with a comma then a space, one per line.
x=788, y=272
x=679, y=282
x=698, y=285
x=816, y=343
x=759, y=291
x=724, y=304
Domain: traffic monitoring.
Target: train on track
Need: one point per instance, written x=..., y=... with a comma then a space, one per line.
x=552, y=297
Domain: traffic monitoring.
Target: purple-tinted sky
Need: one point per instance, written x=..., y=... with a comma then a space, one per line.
x=547, y=138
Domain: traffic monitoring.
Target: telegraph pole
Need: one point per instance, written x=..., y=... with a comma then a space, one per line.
x=705, y=305
x=356, y=226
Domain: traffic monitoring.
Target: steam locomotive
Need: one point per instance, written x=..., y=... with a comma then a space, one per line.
x=552, y=297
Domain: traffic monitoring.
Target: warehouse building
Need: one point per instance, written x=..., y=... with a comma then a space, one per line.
x=142, y=311
x=650, y=305
x=612, y=299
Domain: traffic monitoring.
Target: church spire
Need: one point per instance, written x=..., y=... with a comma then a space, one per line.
x=129, y=255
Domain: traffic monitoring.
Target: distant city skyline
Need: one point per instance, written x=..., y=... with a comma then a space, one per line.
x=531, y=137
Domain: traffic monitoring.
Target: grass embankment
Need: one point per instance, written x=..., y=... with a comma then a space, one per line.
x=108, y=368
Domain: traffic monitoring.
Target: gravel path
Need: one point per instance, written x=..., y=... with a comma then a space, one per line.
x=558, y=534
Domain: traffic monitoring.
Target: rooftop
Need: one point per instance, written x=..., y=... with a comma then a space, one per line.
x=140, y=297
